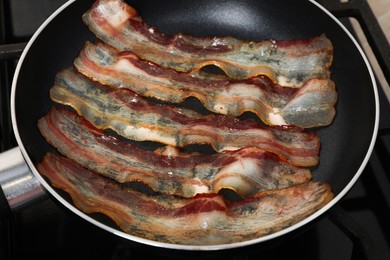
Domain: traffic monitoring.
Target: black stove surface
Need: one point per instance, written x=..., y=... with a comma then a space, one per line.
x=356, y=228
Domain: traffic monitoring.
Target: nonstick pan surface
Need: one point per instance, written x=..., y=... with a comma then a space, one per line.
x=346, y=145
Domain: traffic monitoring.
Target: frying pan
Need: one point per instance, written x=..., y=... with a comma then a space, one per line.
x=346, y=145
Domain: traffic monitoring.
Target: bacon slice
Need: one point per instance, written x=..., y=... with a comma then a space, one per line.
x=133, y=117
x=204, y=219
x=245, y=171
x=287, y=63
x=310, y=106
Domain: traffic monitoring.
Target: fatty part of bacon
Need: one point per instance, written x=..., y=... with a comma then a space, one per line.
x=312, y=105
x=205, y=219
x=288, y=63
x=245, y=171
x=138, y=119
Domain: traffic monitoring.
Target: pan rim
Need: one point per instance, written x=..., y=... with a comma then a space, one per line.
x=280, y=233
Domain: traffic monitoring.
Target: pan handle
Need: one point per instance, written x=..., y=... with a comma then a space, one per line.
x=20, y=187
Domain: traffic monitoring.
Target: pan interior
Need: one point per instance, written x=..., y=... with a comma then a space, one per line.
x=344, y=144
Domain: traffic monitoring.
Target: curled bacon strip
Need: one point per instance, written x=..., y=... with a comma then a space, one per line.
x=133, y=117
x=245, y=171
x=288, y=63
x=309, y=106
x=203, y=220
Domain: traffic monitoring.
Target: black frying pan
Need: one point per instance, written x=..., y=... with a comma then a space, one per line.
x=346, y=144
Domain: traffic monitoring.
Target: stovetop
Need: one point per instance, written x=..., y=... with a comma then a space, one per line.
x=356, y=228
